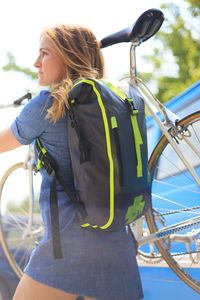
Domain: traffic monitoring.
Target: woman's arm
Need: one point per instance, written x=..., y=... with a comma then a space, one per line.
x=7, y=140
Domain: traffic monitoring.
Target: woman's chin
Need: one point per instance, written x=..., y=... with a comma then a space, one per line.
x=42, y=83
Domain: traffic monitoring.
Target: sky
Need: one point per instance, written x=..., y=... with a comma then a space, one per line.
x=22, y=21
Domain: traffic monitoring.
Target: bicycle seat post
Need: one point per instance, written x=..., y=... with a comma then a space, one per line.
x=133, y=67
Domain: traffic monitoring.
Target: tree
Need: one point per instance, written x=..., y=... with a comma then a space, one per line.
x=180, y=41
x=195, y=7
x=12, y=66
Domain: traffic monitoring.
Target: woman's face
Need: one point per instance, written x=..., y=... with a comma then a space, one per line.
x=50, y=67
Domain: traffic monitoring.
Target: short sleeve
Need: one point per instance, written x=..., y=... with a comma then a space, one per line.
x=32, y=121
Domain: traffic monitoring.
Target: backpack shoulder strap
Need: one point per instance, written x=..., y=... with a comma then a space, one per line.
x=48, y=163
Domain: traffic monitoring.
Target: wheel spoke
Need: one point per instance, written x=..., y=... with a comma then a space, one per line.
x=176, y=198
x=18, y=236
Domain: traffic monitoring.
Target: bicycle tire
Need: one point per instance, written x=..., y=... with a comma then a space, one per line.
x=172, y=182
x=16, y=240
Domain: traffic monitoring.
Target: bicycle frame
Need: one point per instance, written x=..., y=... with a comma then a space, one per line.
x=167, y=231
x=28, y=164
x=168, y=127
x=154, y=106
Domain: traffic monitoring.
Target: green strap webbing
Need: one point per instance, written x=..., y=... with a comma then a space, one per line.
x=138, y=142
x=39, y=146
x=114, y=122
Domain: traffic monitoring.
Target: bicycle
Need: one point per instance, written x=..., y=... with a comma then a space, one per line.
x=20, y=224
x=171, y=232
x=174, y=217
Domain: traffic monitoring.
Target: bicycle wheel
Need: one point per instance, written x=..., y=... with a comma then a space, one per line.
x=20, y=229
x=176, y=198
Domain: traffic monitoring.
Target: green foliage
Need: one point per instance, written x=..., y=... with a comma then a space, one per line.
x=195, y=7
x=180, y=38
x=12, y=66
x=23, y=206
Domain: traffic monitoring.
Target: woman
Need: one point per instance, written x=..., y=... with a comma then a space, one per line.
x=94, y=265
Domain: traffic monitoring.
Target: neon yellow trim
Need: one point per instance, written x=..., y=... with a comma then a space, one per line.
x=115, y=89
x=109, y=152
x=113, y=122
x=39, y=165
x=44, y=151
x=138, y=142
x=89, y=225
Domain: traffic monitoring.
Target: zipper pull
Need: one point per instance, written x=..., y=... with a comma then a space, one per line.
x=130, y=105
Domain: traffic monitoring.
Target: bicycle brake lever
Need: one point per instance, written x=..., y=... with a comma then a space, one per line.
x=18, y=102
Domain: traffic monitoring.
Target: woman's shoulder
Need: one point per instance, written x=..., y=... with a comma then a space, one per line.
x=43, y=97
x=37, y=108
x=41, y=102
x=32, y=121
x=44, y=94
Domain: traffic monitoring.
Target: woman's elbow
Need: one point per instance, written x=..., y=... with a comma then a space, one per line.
x=8, y=141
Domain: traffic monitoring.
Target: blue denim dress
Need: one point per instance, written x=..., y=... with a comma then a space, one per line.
x=97, y=264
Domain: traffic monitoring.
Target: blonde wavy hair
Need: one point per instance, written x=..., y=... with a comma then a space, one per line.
x=81, y=57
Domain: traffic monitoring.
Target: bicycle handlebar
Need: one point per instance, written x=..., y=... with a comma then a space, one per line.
x=20, y=100
x=144, y=28
x=17, y=102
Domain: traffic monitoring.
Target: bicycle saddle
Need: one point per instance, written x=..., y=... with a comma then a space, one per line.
x=144, y=28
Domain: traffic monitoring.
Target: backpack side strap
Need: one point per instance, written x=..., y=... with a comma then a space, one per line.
x=47, y=162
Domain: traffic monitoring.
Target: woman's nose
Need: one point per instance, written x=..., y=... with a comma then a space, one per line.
x=37, y=63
